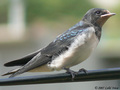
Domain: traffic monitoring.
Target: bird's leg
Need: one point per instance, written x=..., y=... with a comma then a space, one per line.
x=83, y=70
x=73, y=73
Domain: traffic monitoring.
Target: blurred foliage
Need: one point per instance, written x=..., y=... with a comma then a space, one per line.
x=47, y=9
x=60, y=10
x=3, y=11
x=55, y=9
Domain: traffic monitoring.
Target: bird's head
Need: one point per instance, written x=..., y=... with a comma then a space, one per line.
x=97, y=16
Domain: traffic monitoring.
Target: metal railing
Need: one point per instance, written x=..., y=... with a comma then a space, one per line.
x=92, y=75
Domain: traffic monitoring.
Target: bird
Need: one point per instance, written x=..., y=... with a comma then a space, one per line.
x=68, y=49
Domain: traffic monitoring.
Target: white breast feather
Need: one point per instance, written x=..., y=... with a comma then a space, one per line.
x=65, y=58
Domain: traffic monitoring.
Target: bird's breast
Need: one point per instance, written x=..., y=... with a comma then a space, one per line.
x=78, y=51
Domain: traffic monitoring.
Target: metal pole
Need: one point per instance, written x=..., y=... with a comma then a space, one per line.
x=92, y=75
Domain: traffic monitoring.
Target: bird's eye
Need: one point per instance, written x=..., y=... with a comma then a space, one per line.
x=97, y=12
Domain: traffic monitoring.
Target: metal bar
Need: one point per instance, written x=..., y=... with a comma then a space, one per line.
x=92, y=75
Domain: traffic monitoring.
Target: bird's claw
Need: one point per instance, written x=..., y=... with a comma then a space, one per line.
x=83, y=70
x=73, y=73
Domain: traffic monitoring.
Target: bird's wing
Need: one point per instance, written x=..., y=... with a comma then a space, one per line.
x=47, y=54
x=61, y=39
x=21, y=61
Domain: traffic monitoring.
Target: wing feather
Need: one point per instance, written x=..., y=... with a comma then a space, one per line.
x=21, y=61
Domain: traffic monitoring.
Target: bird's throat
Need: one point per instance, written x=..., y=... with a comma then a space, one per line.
x=101, y=21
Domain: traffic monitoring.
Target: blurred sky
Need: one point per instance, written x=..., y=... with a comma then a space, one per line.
x=27, y=25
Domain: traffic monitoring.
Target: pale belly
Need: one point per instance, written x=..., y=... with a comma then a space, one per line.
x=78, y=52
x=76, y=58
x=81, y=54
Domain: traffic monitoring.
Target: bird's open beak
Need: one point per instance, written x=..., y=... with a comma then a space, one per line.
x=109, y=14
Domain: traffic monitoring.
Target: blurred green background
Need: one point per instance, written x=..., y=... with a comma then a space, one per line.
x=28, y=25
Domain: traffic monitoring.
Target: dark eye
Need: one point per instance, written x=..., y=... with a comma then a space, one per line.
x=97, y=12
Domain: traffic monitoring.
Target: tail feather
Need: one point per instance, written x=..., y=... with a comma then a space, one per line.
x=21, y=61
x=11, y=72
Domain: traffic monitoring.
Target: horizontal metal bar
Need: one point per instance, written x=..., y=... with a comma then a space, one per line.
x=92, y=75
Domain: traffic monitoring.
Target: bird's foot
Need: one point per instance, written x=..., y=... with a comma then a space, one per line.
x=83, y=70
x=73, y=73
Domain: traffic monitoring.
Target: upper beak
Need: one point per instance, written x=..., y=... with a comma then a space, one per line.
x=108, y=14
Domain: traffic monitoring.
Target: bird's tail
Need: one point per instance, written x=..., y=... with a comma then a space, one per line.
x=11, y=72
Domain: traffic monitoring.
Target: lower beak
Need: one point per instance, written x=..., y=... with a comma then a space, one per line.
x=108, y=15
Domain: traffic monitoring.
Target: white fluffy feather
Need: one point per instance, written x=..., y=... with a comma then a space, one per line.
x=79, y=50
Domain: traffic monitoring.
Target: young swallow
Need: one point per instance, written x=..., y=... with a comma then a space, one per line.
x=68, y=49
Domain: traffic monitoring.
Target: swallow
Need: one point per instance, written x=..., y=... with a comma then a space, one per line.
x=68, y=49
